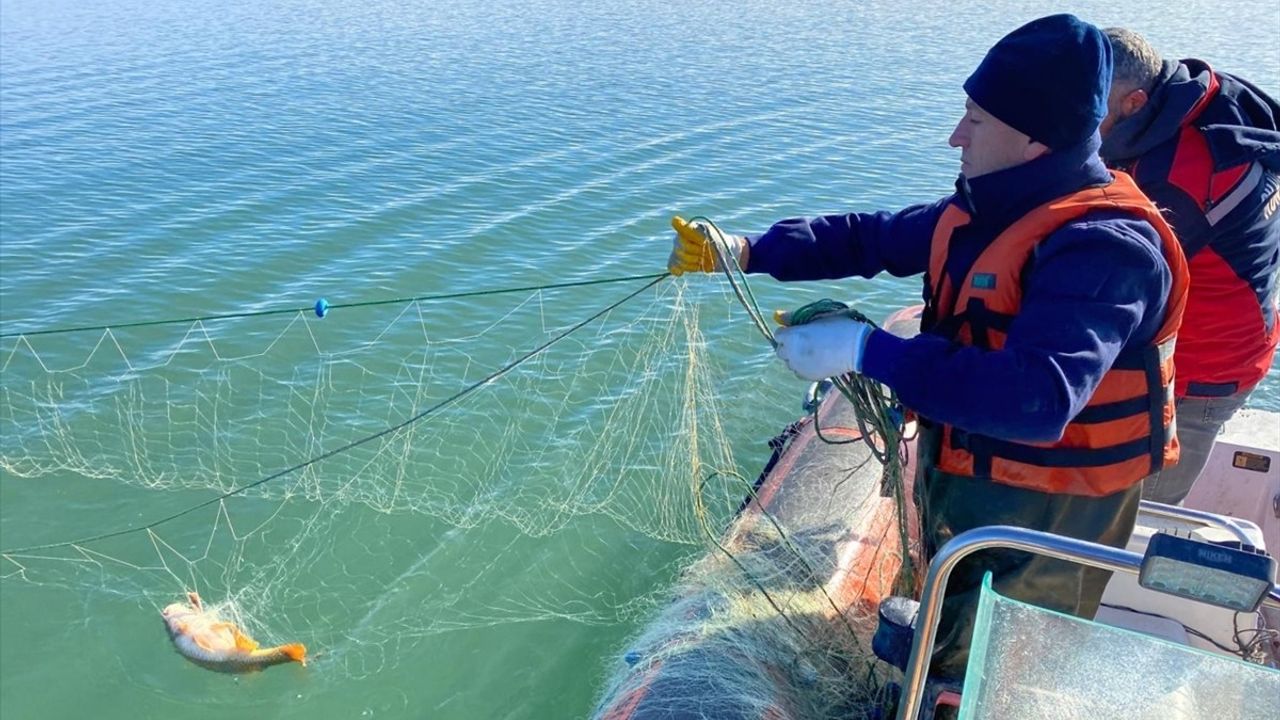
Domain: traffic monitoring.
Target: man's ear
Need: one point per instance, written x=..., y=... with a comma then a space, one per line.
x=1034, y=150
x=1133, y=102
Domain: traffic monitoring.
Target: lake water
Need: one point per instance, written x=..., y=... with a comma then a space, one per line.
x=174, y=160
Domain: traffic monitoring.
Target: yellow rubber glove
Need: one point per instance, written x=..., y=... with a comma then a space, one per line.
x=691, y=251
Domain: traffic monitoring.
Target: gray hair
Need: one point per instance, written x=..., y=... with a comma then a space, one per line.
x=1137, y=64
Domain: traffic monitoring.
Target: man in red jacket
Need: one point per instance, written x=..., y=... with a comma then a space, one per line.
x=1204, y=146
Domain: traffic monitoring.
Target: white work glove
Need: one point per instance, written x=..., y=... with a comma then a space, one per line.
x=691, y=250
x=827, y=347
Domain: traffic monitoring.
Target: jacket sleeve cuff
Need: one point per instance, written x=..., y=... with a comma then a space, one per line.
x=880, y=356
x=746, y=266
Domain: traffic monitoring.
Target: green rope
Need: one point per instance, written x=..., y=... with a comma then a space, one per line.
x=366, y=303
x=737, y=277
x=881, y=423
x=880, y=416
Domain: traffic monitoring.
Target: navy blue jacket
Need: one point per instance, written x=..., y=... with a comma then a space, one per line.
x=1219, y=192
x=1094, y=288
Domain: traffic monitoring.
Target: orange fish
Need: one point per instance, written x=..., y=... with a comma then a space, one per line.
x=211, y=642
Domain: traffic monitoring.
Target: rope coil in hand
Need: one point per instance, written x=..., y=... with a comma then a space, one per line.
x=880, y=416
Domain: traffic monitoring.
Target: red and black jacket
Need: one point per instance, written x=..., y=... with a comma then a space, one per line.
x=1206, y=150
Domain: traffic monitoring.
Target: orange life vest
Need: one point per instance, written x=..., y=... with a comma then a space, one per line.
x=1126, y=431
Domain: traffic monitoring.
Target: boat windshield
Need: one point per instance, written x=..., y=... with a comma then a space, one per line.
x=1028, y=662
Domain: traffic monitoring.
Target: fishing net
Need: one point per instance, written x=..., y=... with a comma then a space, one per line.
x=325, y=480
x=776, y=620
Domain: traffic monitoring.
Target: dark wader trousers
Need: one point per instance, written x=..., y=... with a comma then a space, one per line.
x=950, y=505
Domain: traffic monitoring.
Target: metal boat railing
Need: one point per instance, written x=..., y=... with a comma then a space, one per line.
x=1189, y=515
x=1012, y=538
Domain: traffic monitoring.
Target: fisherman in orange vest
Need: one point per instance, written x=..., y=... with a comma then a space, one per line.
x=1204, y=145
x=1054, y=290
